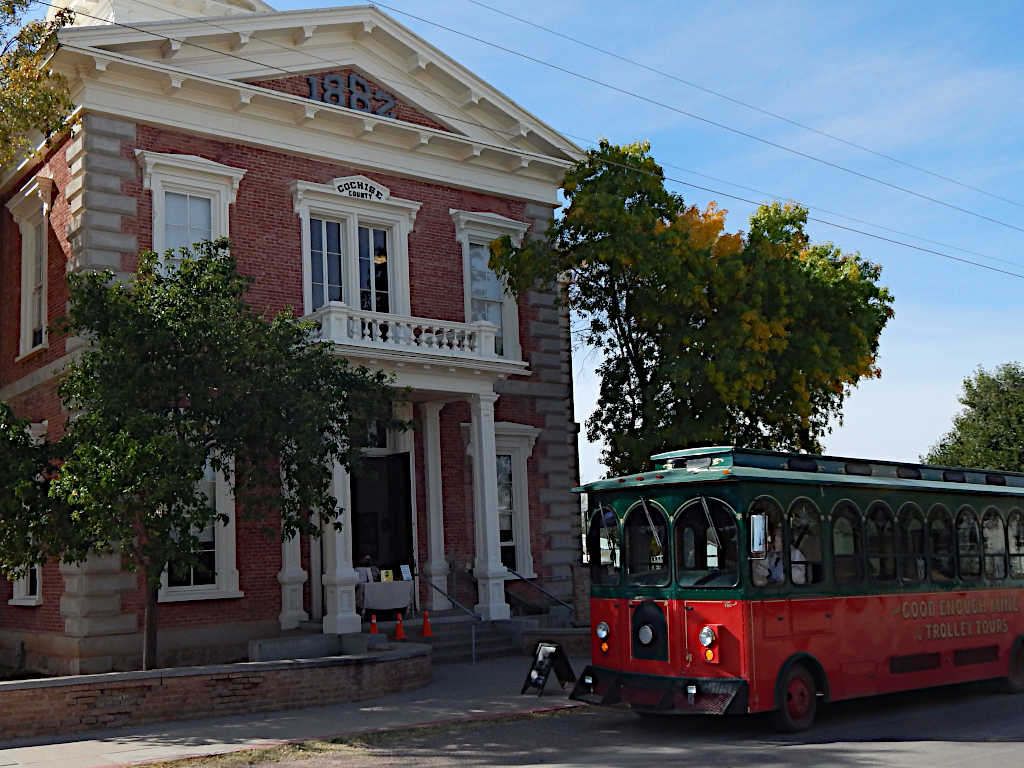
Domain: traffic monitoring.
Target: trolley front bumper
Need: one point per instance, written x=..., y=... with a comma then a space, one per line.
x=668, y=695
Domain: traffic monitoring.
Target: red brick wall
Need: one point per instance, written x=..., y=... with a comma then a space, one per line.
x=297, y=85
x=68, y=705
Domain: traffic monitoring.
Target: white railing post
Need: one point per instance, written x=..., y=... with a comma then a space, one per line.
x=485, y=336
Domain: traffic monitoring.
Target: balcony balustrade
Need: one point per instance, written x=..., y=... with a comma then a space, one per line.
x=377, y=332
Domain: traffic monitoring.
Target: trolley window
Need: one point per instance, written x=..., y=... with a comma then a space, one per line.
x=769, y=571
x=848, y=560
x=706, y=544
x=941, y=560
x=605, y=547
x=994, y=539
x=880, y=530
x=1015, y=540
x=646, y=545
x=968, y=544
x=805, y=561
x=911, y=545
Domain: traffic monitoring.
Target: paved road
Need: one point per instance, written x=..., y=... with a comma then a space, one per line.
x=956, y=726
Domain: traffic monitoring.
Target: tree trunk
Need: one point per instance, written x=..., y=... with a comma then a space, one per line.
x=149, y=629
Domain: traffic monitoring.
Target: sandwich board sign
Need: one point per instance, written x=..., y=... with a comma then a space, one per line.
x=548, y=657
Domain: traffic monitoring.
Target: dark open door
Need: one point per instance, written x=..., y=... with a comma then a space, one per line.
x=382, y=512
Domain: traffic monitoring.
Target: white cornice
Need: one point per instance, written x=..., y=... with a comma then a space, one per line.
x=32, y=198
x=161, y=95
x=361, y=23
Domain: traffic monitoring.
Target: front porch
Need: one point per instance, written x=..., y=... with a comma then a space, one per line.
x=399, y=507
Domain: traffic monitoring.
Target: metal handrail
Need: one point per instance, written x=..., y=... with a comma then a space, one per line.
x=465, y=610
x=541, y=589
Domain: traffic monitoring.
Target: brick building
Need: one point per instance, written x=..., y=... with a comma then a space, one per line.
x=360, y=174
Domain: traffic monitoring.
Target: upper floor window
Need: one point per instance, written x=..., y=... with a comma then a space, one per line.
x=28, y=590
x=191, y=197
x=354, y=245
x=30, y=209
x=485, y=297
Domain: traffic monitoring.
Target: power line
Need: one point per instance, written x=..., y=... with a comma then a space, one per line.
x=627, y=167
x=700, y=118
x=746, y=105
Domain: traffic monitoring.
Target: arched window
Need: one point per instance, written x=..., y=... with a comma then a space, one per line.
x=941, y=554
x=706, y=544
x=769, y=570
x=911, y=541
x=880, y=542
x=604, y=545
x=805, y=543
x=994, y=539
x=645, y=545
x=968, y=544
x=846, y=544
x=1015, y=539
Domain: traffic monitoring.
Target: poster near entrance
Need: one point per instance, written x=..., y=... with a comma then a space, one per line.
x=382, y=512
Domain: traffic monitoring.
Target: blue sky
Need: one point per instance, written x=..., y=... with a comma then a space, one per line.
x=926, y=83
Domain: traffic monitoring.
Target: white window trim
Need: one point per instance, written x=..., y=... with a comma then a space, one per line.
x=21, y=596
x=480, y=228
x=188, y=175
x=227, y=570
x=31, y=207
x=517, y=441
x=325, y=201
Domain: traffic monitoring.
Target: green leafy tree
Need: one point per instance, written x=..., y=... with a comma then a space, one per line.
x=180, y=374
x=707, y=337
x=989, y=432
x=34, y=101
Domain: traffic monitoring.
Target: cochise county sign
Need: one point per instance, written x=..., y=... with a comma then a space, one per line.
x=353, y=92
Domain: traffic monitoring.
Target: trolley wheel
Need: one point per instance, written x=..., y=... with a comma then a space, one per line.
x=799, y=700
x=1015, y=680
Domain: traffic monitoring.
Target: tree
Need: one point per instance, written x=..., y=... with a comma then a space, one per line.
x=34, y=101
x=707, y=337
x=180, y=374
x=989, y=432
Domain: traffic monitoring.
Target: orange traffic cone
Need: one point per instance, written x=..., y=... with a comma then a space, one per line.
x=399, y=629
x=373, y=624
x=426, y=625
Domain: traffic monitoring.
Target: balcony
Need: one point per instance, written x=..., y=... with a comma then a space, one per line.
x=378, y=335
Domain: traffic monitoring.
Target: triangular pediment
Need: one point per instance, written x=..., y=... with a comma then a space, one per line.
x=282, y=51
x=353, y=88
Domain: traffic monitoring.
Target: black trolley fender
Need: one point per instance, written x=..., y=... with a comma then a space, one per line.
x=813, y=666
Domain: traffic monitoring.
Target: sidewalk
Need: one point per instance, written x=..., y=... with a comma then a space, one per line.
x=458, y=692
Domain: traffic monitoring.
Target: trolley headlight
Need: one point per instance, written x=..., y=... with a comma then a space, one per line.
x=602, y=630
x=706, y=637
x=645, y=634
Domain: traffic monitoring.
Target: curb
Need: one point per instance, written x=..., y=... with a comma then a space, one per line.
x=483, y=717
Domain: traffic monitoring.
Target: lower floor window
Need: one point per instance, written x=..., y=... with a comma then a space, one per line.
x=211, y=572
x=506, y=512
x=28, y=590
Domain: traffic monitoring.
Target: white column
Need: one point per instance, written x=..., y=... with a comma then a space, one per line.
x=291, y=577
x=436, y=569
x=487, y=567
x=340, y=578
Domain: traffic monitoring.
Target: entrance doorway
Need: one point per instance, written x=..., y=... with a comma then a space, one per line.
x=382, y=512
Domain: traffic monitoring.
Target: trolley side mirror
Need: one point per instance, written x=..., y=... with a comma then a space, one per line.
x=758, y=537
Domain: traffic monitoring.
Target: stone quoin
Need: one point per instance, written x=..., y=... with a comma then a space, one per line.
x=360, y=174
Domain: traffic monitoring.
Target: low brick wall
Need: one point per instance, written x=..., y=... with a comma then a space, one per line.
x=62, y=705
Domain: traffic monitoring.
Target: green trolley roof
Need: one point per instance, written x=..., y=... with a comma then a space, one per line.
x=724, y=463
